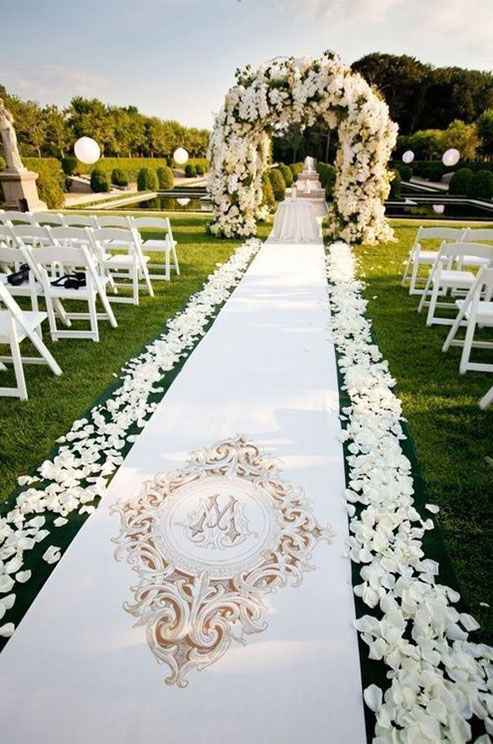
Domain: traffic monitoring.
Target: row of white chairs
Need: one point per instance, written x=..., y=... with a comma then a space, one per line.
x=460, y=280
x=165, y=245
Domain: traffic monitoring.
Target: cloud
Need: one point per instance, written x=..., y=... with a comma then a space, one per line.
x=54, y=83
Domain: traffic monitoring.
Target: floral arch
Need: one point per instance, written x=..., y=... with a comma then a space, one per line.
x=288, y=91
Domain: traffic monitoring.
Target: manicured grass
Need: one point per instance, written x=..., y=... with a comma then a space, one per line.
x=28, y=430
x=453, y=437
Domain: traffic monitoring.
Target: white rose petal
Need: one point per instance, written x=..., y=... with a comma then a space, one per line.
x=52, y=554
x=7, y=630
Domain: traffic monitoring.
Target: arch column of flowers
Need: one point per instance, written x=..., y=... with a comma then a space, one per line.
x=288, y=91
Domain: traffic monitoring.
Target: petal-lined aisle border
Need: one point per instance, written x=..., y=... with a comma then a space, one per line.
x=437, y=679
x=71, y=483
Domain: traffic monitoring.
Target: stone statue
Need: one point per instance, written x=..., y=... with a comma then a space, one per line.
x=9, y=140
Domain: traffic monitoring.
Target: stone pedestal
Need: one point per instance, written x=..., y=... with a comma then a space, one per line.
x=20, y=190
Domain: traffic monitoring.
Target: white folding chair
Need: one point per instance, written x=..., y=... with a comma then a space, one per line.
x=113, y=220
x=443, y=278
x=475, y=310
x=73, y=255
x=129, y=264
x=419, y=257
x=165, y=245
x=48, y=218
x=32, y=234
x=477, y=235
x=12, y=258
x=20, y=218
x=15, y=326
x=80, y=220
x=486, y=400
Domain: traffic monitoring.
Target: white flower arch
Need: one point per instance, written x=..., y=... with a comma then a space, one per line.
x=288, y=91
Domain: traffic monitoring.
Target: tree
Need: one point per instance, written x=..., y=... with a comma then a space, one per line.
x=464, y=137
x=485, y=131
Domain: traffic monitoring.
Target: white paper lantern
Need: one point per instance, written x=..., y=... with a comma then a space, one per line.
x=408, y=157
x=439, y=208
x=180, y=156
x=451, y=157
x=87, y=150
x=183, y=201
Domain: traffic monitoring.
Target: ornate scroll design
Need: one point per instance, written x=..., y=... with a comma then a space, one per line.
x=208, y=542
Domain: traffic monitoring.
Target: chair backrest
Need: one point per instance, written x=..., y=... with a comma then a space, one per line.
x=475, y=234
x=162, y=223
x=114, y=234
x=73, y=254
x=71, y=234
x=24, y=218
x=47, y=218
x=457, y=251
x=13, y=308
x=113, y=221
x=440, y=233
x=7, y=237
x=29, y=234
x=11, y=254
x=80, y=220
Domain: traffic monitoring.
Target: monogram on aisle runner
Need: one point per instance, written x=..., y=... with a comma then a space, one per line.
x=208, y=543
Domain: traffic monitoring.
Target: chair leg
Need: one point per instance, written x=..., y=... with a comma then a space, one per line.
x=406, y=271
x=45, y=353
x=455, y=327
x=135, y=284
x=431, y=308
x=466, y=349
x=486, y=400
x=147, y=279
x=175, y=260
x=167, y=268
x=414, y=278
x=18, y=369
x=51, y=318
x=93, y=318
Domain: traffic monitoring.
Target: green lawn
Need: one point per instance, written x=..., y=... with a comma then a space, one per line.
x=28, y=430
x=453, y=437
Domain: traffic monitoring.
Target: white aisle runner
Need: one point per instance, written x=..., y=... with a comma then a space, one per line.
x=78, y=671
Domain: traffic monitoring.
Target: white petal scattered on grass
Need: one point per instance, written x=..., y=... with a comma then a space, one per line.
x=433, y=508
x=7, y=630
x=60, y=521
x=23, y=576
x=373, y=697
x=6, y=583
x=52, y=555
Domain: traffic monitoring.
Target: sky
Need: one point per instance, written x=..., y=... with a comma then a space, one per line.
x=176, y=58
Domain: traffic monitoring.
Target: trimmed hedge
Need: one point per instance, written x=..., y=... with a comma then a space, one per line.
x=130, y=166
x=278, y=183
x=296, y=169
x=395, y=185
x=190, y=170
x=201, y=164
x=327, y=174
x=69, y=165
x=119, y=177
x=460, y=182
x=405, y=171
x=51, y=180
x=268, y=198
x=287, y=174
x=165, y=178
x=481, y=185
x=99, y=181
x=147, y=180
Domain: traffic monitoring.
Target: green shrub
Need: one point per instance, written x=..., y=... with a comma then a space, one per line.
x=119, y=177
x=147, y=180
x=190, y=170
x=405, y=171
x=287, y=174
x=278, y=183
x=199, y=169
x=395, y=185
x=50, y=181
x=200, y=162
x=268, y=198
x=460, y=181
x=99, y=181
x=481, y=185
x=327, y=174
x=69, y=164
x=296, y=169
x=131, y=166
x=165, y=178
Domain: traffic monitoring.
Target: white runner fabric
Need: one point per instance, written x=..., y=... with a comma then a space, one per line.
x=77, y=670
x=296, y=221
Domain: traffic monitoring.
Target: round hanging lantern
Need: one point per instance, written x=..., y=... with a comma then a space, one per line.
x=451, y=157
x=408, y=157
x=439, y=208
x=180, y=156
x=87, y=150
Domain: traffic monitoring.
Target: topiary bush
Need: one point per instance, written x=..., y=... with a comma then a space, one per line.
x=296, y=169
x=69, y=164
x=147, y=180
x=481, y=185
x=99, y=181
x=405, y=171
x=395, y=185
x=165, y=178
x=50, y=180
x=327, y=174
x=287, y=174
x=268, y=199
x=199, y=169
x=190, y=170
x=460, y=182
x=278, y=183
x=119, y=177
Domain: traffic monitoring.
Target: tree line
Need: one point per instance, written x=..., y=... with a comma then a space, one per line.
x=121, y=131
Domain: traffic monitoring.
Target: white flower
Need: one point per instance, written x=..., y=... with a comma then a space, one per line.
x=52, y=554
